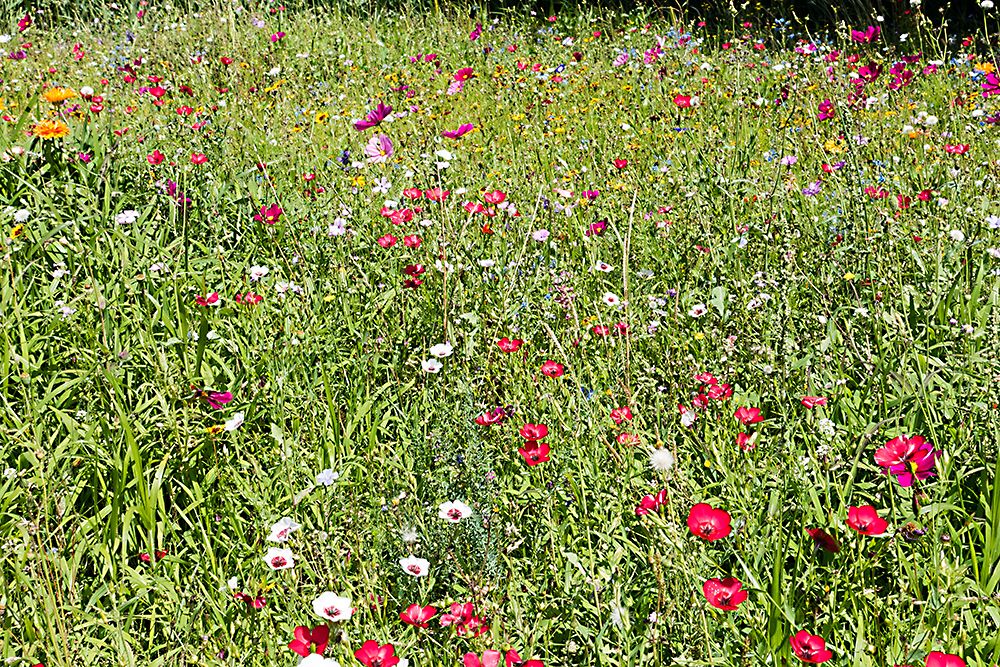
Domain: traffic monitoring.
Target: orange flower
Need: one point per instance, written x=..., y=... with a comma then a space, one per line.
x=51, y=129
x=58, y=95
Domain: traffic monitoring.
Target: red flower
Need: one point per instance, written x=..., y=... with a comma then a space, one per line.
x=907, y=458
x=437, y=194
x=269, y=214
x=507, y=345
x=824, y=540
x=650, y=503
x=938, y=659
x=534, y=431
x=494, y=416
x=207, y=300
x=413, y=193
x=512, y=659
x=412, y=241
x=534, y=452
x=386, y=241
x=809, y=648
x=709, y=523
x=618, y=415
x=725, y=594
x=490, y=659
x=372, y=655
x=960, y=149
x=682, y=101
x=155, y=158
x=495, y=197
x=305, y=639
x=812, y=401
x=552, y=369
x=621, y=164
x=720, y=392
x=417, y=615
x=464, y=620
x=746, y=442
x=748, y=416
x=865, y=520
x=198, y=158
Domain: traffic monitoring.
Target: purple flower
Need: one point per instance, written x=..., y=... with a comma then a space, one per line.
x=812, y=189
x=380, y=113
x=461, y=131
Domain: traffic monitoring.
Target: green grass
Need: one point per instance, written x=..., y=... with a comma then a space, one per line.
x=109, y=456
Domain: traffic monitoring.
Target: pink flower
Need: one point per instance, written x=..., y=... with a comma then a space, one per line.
x=869, y=35
x=269, y=214
x=306, y=639
x=809, y=648
x=463, y=74
x=866, y=521
x=461, y=131
x=907, y=458
x=813, y=401
x=826, y=111
x=198, y=158
x=380, y=113
x=491, y=658
x=387, y=241
x=371, y=654
x=379, y=148
x=748, y=416
x=708, y=523
x=417, y=616
x=938, y=659
x=725, y=594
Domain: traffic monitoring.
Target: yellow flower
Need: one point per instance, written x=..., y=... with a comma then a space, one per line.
x=58, y=95
x=986, y=68
x=51, y=129
x=215, y=429
x=358, y=181
x=849, y=276
x=321, y=117
x=699, y=335
x=16, y=231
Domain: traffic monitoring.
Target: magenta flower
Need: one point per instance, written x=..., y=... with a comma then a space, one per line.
x=908, y=458
x=461, y=131
x=825, y=110
x=380, y=113
x=869, y=35
x=992, y=85
x=379, y=148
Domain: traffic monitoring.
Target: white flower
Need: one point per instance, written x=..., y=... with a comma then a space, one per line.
x=957, y=235
x=410, y=535
x=993, y=252
x=337, y=228
x=258, y=272
x=327, y=477
x=159, y=267
x=993, y=221
x=317, y=660
x=826, y=427
x=454, y=511
x=332, y=607
x=610, y=299
x=486, y=263
x=697, y=310
x=127, y=217
x=4, y=39
x=541, y=235
x=444, y=155
x=661, y=460
x=382, y=186
x=235, y=422
x=442, y=350
x=688, y=418
x=417, y=567
x=603, y=267
x=279, y=559
x=233, y=583
x=282, y=529
x=986, y=4
x=431, y=365
x=86, y=91
x=22, y=215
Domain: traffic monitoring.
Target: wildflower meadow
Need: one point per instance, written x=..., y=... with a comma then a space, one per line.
x=441, y=336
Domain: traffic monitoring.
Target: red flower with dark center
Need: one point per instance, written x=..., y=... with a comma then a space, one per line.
x=865, y=520
x=907, y=458
x=618, y=415
x=709, y=523
x=417, y=615
x=552, y=369
x=371, y=654
x=534, y=431
x=725, y=594
x=809, y=648
x=305, y=639
x=534, y=452
x=507, y=345
x=748, y=416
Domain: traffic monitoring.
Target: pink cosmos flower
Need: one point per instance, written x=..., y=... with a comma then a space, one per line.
x=869, y=35
x=215, y=399
x=461, y=131
x=379, y=114
x=269, y=214
x=379, y=148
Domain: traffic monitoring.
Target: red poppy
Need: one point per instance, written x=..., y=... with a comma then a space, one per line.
x=534, y=452
x=938, y=659
x=748, y=416
x=725, y=594
x=708, y=523
x=305, y=639
x=809, y=648
x=813, y=401
x=417, y=615
x=372, y=655
x=824, y=540
x=507, y=345
x=865, y=520
x=495, y=197
x=552, y=369
x=534, y=431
